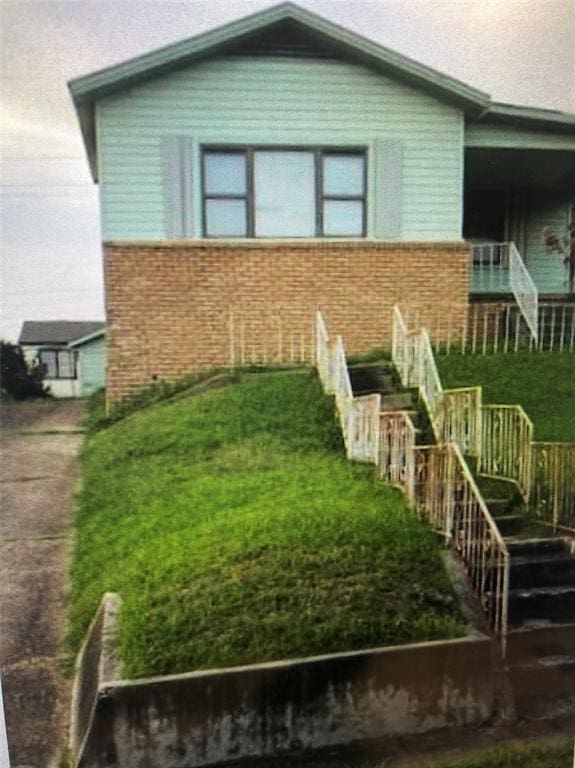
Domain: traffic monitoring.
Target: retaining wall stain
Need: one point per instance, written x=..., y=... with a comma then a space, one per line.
x=206, y=717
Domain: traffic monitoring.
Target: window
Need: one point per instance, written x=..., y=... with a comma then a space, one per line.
x=269, y=192
x=59, y=363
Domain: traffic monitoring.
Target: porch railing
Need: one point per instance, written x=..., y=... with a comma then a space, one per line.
x=524, y=290
x=498, y=267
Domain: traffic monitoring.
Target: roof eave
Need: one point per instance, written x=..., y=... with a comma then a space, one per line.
x=88, y=337
x=530, y=117
x=86, y=90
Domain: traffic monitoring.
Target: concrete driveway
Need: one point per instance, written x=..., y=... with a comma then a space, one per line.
x=39, y=446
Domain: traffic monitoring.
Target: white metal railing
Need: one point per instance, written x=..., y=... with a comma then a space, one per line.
x=458, y=418
x=413, y=357
x=446, y=494
x=358, y=416
x=524, y=290
x=4, y=758
x=455, y=414
x=553, y=485
x=499, y=327
x=498, y=267
x=506, y=445
x=322, y=353
x=361, y=421
x=341, y=382
x=436, y=477
x=399, y=345
x=490, y=258
x=427, y=374
x=396, y=461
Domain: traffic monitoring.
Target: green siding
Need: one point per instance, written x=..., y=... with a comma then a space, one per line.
x=512, y=137
x=546, y=209
x=92, y=366
x=268, y=100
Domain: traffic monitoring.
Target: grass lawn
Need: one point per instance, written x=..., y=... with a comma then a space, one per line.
x=236, y=532
x=542, y=382
x=550, y=755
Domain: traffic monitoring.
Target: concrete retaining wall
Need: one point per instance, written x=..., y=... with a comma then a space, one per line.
x=202, y=718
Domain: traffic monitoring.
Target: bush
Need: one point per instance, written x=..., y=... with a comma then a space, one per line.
x=20, y=380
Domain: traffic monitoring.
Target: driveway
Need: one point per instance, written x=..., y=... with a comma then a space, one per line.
x=39, y=446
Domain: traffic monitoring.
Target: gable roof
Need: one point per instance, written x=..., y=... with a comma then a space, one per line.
x=327, y=36
x=57, y=331
x=342, y=42
x=88, y=338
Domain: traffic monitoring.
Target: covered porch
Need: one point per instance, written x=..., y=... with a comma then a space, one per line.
x=510, y=196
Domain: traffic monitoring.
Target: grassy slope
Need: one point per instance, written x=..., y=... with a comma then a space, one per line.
x=543, y=383
x=236, y=532
x=550, y=755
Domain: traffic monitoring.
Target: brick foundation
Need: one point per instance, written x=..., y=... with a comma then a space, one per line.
x=173, y=308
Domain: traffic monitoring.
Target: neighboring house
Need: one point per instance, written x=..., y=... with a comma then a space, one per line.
x=91, y=360
x=73, y=353
x=281, y=163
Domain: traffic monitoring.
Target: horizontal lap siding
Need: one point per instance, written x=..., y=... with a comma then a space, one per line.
x=92, y=366
x=547, y=269
x=278, y=101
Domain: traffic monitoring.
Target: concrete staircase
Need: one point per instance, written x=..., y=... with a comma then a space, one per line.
x=541, y=641
x=382, y=378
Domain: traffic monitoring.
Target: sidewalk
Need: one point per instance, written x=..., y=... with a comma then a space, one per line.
x=39, y=445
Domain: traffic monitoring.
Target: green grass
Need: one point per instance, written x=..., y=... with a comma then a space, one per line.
x=236, y=532
x=542, y=382
x=549, y=755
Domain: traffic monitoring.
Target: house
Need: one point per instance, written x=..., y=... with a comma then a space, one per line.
x=90, y=350
x=73, y=352
x=281, y=163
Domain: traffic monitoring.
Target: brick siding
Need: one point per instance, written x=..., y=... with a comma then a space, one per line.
x=173, y=308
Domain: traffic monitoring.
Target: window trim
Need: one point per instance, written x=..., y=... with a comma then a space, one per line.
x=319, y=152
x=56, y=351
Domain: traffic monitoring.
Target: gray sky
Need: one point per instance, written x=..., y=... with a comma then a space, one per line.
x=520, y=51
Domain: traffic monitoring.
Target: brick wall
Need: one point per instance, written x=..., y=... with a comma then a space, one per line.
x=177, y=307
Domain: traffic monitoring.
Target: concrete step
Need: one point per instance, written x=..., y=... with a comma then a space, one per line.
x=498, y=507
x=555, y=604
x=541, y=667
x=398, y=401
x=509, y=525
x=539, y=546
x=370, y=379
x=548, y=570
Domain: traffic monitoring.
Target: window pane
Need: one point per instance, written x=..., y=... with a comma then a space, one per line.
x=343, y=174
x=226, y=218
x=48, y=358
x=343, y=217
x=66, y=365
x=284, y=194
x=225, y=173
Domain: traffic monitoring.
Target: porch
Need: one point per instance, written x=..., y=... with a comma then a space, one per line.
x=510, y=196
